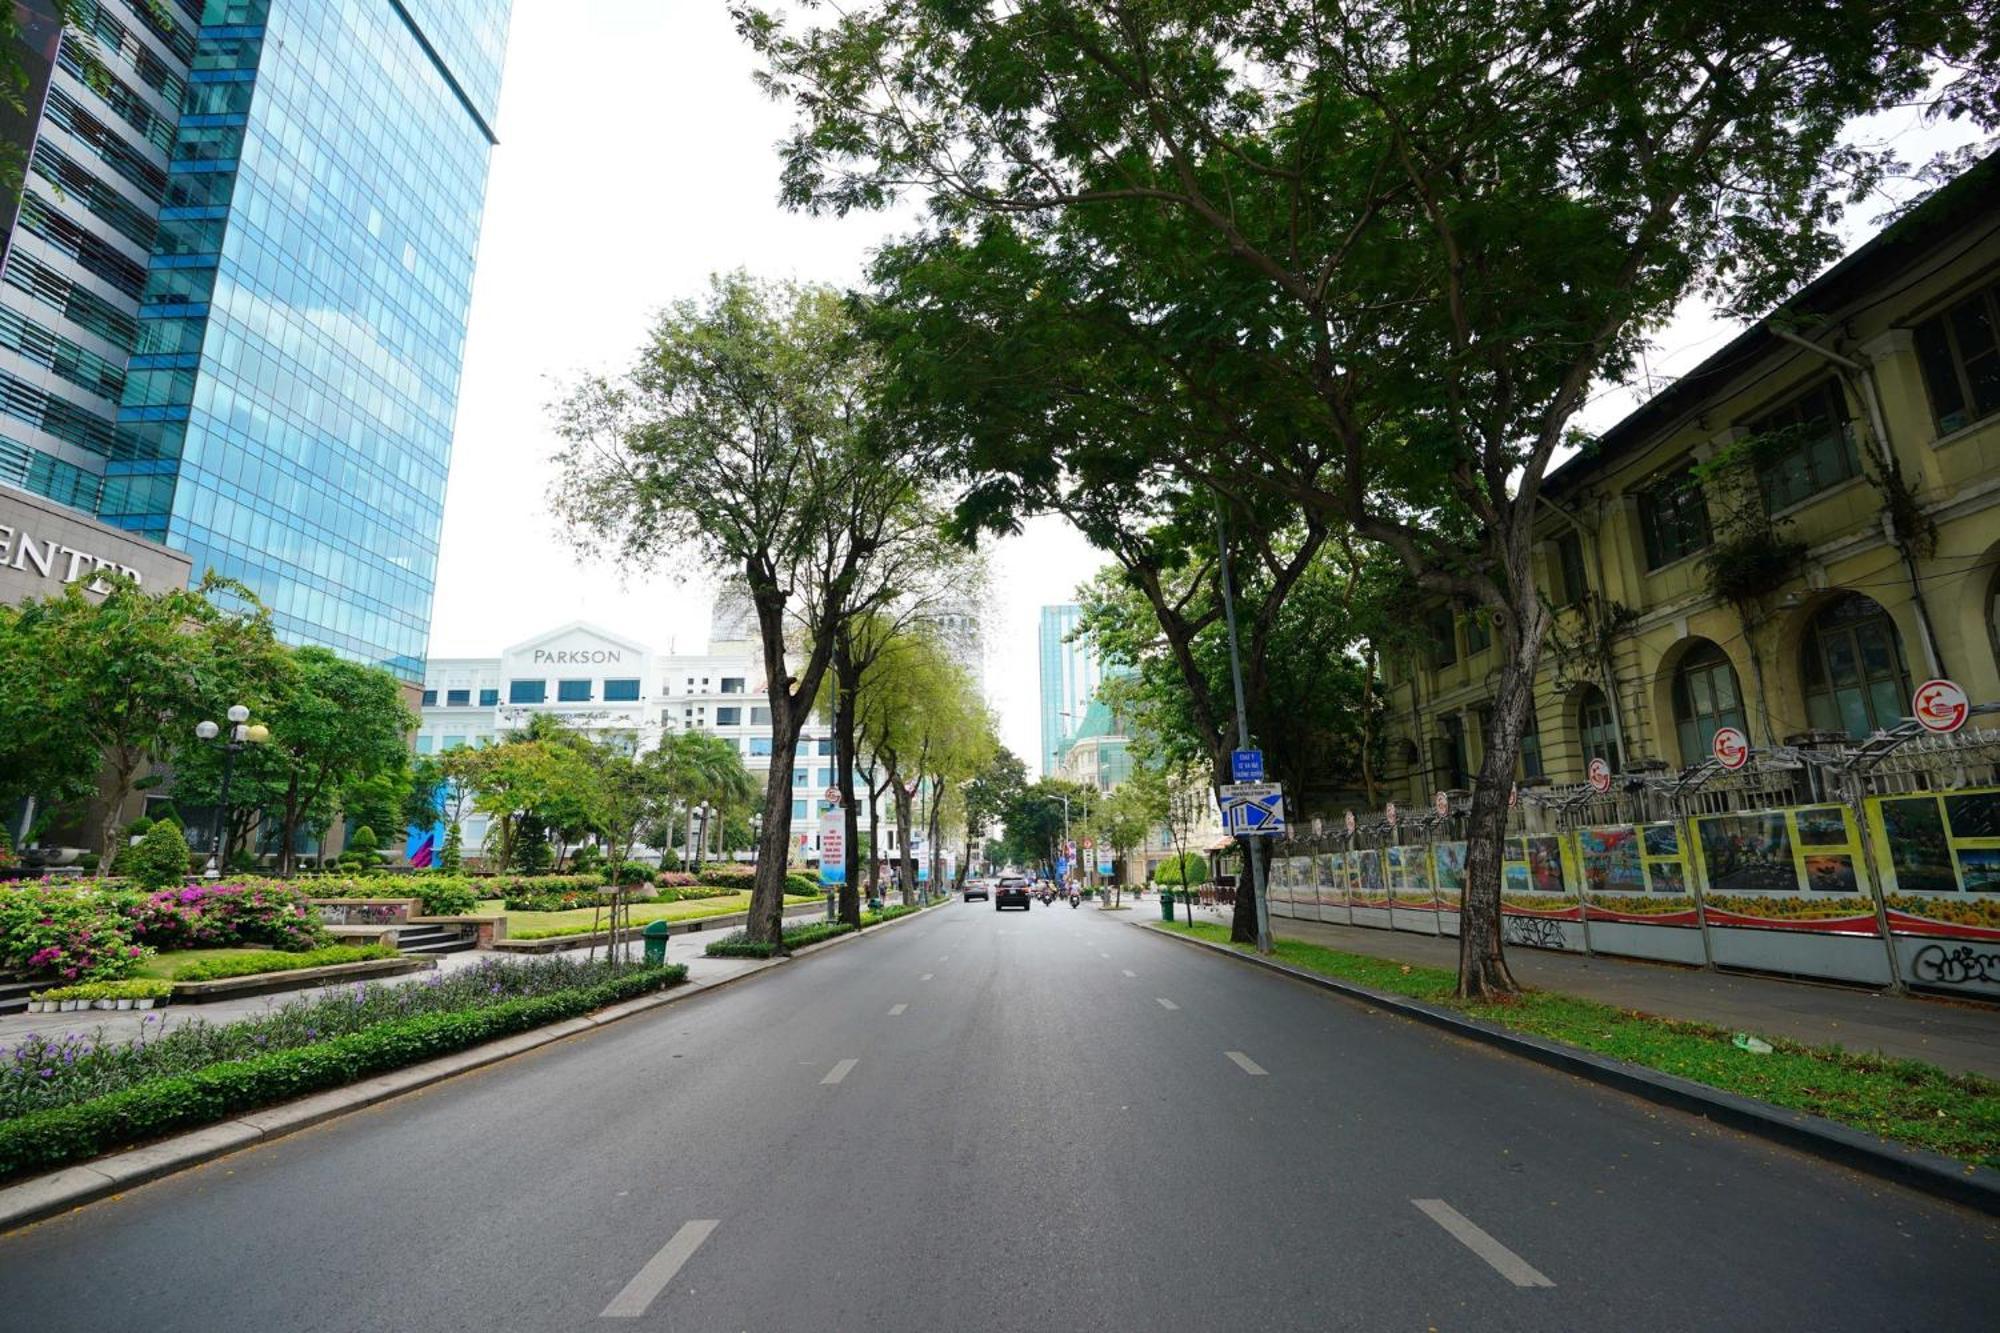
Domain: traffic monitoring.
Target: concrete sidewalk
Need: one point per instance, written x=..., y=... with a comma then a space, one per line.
x=1960, y=1036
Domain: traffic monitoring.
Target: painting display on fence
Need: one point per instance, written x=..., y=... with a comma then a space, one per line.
x=1532, y=879
x=1410, y=877
x=1785, y=870
x=1634, y=874
x=1939, y=857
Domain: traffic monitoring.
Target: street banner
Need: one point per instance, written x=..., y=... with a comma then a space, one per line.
x=833, y=846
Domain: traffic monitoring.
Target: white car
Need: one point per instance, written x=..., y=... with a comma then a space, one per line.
x=977, y=888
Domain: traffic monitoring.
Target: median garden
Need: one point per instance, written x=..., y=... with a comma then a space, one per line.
x=64, y=1100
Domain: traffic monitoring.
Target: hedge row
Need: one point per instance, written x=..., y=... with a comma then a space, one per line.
x=45, y=1140
x=736, y=944
x=270, y=960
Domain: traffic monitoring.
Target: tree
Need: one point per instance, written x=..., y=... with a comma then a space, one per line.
x=740, y=441
x=524, y=788
x=1431, y=228
x=1126, y=816
x=990, y=794
x=41, y=756
x=131, y=672
x=335, y=722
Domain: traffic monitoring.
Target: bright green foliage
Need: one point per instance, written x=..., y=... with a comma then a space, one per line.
x=141, y=988
x=160, y=859
x=451, y=855
x=1182, y=868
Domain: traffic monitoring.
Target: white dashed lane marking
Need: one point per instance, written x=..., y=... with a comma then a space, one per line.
x=896, y=1010
x=1503, y=1260
x=840, y=1071
x=1246, y=1064
x=1165, y=1003
x=1128, y=972
x=651, y=1280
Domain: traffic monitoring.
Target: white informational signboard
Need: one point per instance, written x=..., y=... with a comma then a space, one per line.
x=833, y=846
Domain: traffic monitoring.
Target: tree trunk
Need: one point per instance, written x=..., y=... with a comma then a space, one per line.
x=1482, y=962
x=844, y=682
x=124, y=775
x=874, y=835
x=906, y=861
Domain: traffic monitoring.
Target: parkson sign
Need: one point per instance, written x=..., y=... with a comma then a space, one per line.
x=578, y=656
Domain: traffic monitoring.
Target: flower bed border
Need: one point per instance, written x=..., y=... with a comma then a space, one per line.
x=65, y=1135
x=301, y=978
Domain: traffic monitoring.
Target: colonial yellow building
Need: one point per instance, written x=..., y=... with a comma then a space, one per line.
x=1787, y=540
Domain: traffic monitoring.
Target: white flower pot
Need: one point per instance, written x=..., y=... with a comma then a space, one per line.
x=103, y=1004
x=143, y=1002
x=125, y=1003
x=71, y=1006
x=36, y=1006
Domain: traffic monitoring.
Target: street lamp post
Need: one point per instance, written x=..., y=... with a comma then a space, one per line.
x=241, y=733
x=700, y=838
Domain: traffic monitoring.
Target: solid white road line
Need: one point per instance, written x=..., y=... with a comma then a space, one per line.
x=840, y=1071
x=658, y=1272
x=1165, y=1003
x=1245, y=1063
x=1128, y=971
x=896, y=1009
x=1504, y=1261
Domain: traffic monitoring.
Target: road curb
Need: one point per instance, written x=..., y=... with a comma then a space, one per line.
x=1975, y=1187
x=41, y=1197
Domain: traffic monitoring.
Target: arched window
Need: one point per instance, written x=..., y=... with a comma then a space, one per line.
x=1706, y=699
x=1852, y=667
x=1993, y=614
x=1597, y=727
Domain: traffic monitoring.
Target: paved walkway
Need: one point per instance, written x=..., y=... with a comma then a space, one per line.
x=1958, y=1036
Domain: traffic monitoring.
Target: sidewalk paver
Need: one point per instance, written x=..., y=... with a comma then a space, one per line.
x=1959, y=1036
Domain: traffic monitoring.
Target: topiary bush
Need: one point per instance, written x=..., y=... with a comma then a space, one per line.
x=159, y=858
x=629, y=873
x=1182, y=868
x=726, y=876
x=451, y=857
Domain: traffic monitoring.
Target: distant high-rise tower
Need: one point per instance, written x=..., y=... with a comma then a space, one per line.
x=234, y=311
x=1070, y=677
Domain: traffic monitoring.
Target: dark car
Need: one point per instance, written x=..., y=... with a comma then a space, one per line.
x=1012, y=891
x=976, y=888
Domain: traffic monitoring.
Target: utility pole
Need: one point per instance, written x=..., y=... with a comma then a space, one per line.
x=1242, y=726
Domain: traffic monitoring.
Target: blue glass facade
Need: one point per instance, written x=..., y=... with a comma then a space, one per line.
x=287, y=412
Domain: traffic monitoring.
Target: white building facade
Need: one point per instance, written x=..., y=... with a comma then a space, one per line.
x=617, y=690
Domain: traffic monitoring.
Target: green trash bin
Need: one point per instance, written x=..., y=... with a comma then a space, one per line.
x=655, y=935
x=1166, y=904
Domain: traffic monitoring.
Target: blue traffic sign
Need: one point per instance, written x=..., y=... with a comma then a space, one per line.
x=1247, y=765
x=1250, y=808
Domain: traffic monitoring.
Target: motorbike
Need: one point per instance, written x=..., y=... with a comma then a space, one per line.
x=1075, y=898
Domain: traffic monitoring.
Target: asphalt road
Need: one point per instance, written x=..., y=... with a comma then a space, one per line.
x=981, y=1120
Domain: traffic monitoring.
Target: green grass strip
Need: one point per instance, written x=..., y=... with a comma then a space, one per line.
x=1906, y=1101
x=45, y=1140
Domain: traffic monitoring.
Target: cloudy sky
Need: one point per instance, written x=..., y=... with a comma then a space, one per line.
x=636, y=159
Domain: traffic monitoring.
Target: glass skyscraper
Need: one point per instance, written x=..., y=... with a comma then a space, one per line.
x=1070, y=673
x=284, y=413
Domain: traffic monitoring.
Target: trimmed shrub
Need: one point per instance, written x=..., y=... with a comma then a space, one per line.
x=45, y=1139
x=630, y=872
x=359, y=854
x=1182, y=868
x=160, y=857
x=674, y=879
x=803, y=885
x=452, y=856
x=726, y=876
x=736, y=944
x=269, y=960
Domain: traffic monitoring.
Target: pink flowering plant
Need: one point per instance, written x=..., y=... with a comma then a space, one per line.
x=72, y=933
x=208, y=916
